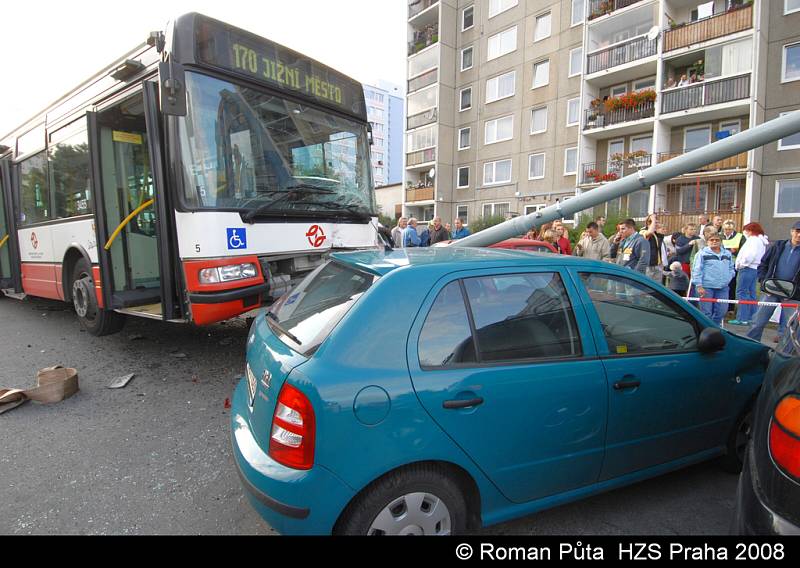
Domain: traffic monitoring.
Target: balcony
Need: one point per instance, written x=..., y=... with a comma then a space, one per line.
x=733, y=21
x=593, y=173
x=420, y=157
x=419, y=194
x=620, y=54
x=423, y=38
x=675, y=221
x=706, y=93
x=422, y=119
x=425, y=80
x=598, y=8
x=738, y=162
x=418, y=6
x=618, y=110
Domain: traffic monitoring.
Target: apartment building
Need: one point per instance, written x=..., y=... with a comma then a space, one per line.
x=514, y=104
x=385, y=112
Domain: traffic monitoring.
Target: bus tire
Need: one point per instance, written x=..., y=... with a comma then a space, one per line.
x=94, y=319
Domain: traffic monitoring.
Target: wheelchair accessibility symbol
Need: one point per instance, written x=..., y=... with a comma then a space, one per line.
x=237, y=239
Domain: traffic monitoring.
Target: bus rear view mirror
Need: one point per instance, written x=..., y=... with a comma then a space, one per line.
x=172, y=88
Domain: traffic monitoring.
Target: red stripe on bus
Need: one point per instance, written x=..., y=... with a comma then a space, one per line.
x=204, y=314
x=98, y=286
x=41, y=280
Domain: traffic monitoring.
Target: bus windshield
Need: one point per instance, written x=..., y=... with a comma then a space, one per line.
x=263, y=154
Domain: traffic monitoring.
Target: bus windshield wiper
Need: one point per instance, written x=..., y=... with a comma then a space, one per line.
x=312, y=189
x=289, y=193
x=279, y=327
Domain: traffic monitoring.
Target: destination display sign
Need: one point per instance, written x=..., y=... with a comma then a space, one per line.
x=236, y=50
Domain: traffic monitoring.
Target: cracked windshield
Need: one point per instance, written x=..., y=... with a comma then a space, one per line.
x=265, y=155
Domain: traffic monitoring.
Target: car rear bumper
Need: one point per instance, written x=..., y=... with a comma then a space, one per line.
x=291, y=501
x=753, y=516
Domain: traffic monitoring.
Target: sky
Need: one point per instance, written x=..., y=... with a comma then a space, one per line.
x=57, y=45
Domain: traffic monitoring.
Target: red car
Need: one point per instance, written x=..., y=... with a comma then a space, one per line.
x=526, y=244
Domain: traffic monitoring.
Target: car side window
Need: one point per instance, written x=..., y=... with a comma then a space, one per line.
x=522, y=317
x=637, y=319
x=446, y=337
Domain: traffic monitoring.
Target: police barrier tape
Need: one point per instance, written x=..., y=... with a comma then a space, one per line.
x=743, y=302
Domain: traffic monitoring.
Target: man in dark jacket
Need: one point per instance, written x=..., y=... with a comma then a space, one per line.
x=782, y=262
x=438, y=232
x=630, y=249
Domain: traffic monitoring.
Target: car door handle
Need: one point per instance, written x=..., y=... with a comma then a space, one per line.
x=622, y=385
x=468, y=403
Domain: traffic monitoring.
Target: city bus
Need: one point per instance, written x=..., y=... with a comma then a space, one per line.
x=193, y=180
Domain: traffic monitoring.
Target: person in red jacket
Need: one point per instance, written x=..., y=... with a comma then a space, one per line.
x=562, y=238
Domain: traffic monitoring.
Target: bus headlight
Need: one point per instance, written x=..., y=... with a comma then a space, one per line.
x=227, y=273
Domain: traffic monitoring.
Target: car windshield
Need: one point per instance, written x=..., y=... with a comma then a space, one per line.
x=308, y=314
x=263, y=154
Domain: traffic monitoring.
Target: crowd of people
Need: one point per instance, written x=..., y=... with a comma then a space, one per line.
x=710, y=260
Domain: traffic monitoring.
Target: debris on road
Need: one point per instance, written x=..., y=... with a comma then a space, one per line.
x=53, y=384
x=121, y=382
x=179, y=355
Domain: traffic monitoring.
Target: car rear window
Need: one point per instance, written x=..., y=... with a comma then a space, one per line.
x=305, y=317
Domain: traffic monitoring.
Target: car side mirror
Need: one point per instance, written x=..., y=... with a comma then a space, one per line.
x=711, y=340
x=780, y=288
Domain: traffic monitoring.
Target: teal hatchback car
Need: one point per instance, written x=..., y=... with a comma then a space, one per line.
x=430, y=391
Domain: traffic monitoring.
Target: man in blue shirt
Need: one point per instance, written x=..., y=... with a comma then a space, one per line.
x=460, y=230
x=782, y=262
x=410, y=235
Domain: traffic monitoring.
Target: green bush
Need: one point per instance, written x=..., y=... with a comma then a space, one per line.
x=485, y=222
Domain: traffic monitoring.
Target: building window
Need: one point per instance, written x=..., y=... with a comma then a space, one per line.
x=465, y=99
x=463, y=177
x=421, y=101
x=790, y=142
x=729, y=128
x=791, y=6
x=536, y=166
x=495, y=173
x=421, y=139
x=501, y=44
x=573, y=111
x=467, y=18
x=693, y=198
x=644, y=84
x=542, y=29
x=791, y=62
x=499, y=130
x=694, y=138
x=500, y=6
x=787, y=198
x=464, y=136
x=496, y=209
x=501, y=87
x=539, y=120
x=578, y=11
x=462, y=213
x=570, y=161
x=534, y=208
x=575, y=61
x=466, y=59
x=541, y=73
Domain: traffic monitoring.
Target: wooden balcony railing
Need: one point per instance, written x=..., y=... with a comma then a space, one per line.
x=620, y=54
x=423, y=194
x=737, y=162
x=730, y=22
x=706, y=93
x=420, y=157
x=675, y=221
x=599, y=8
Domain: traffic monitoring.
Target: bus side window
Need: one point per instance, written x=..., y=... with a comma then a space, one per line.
x=34, y=190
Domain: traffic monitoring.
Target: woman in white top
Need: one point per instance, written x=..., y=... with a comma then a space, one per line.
x=747, y=262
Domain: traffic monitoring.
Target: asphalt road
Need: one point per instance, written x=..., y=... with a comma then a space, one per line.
x=155, y=457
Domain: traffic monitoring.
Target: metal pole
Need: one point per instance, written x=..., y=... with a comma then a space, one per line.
x=744, y=141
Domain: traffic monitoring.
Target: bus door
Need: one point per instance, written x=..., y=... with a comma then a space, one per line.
x=9, y=257
x=126, y=200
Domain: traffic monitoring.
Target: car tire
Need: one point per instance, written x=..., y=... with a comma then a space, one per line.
x=94, y=319
x=736, y=445
x=418, y=500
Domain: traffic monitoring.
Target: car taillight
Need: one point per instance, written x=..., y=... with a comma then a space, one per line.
x=784, y=436
x=291, y=441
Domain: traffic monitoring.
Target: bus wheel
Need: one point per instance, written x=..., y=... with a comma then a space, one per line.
x=94, y=319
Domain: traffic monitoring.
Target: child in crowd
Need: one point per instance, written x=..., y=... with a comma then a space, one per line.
x=678, y=280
